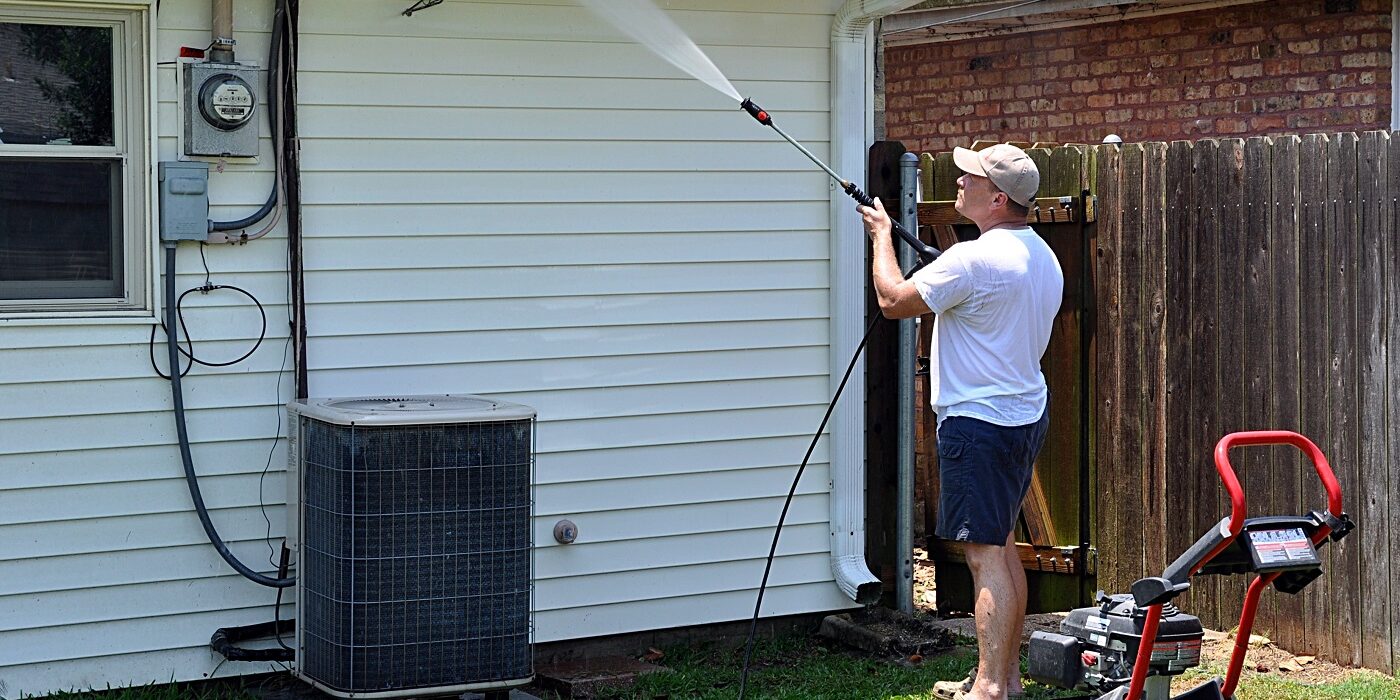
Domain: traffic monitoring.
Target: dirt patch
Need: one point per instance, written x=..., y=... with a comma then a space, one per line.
x=1267, y=659
x=924, y=600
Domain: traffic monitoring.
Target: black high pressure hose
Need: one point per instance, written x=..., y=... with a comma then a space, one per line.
x=777, y=532
x=182, y=434
x=927, y=254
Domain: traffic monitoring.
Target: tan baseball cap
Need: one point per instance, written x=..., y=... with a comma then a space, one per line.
x=1008, y=167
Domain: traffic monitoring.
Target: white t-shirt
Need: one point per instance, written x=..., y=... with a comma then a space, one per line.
x=995, y=299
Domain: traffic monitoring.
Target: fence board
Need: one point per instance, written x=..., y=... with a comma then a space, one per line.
x=1205, y=372
x=1341, y=337
x=1154, y=272
x=1373, y=213
x=926, y=165
x=1313, y=253
x=1257, y=334
x=1048, y=180
x=1286, y=472
x=1130, y=436
x=1057, y=470
x=945, y=178
x=1230, y=328
x=1391, y=276
x=1108, y=334
x=1180, y=239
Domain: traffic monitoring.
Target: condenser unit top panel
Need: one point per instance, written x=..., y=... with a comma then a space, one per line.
x=410, y=410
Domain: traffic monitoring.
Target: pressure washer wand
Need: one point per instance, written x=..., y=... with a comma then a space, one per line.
x=927, y=253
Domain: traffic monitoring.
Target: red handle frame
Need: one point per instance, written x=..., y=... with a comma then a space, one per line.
x=1237, y=513
x=1274, y=437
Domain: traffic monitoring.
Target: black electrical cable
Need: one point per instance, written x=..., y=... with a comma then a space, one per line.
x=180, y=313
x=277, y=608
x=182, y=433
x=189, y=343
x=151, y=349
x=777, y=532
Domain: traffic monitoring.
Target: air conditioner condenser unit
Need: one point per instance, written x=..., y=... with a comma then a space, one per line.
x=410, y=522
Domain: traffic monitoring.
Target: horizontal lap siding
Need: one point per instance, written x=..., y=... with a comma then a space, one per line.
x=498, y=197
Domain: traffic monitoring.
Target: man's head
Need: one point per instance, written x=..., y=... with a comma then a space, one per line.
x=1000, y=183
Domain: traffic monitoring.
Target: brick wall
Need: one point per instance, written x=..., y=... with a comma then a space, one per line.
x=1289, y=66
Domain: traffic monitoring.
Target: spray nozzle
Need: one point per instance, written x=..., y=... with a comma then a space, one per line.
x=756, y=112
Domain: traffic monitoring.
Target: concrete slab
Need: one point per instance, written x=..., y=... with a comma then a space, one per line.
x=512, y=695
x=583, y=678
x=884, y=631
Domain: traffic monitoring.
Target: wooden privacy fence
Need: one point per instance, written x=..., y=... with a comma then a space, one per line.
x=1244, y=285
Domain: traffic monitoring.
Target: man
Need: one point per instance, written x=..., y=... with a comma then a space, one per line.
x=995, y=298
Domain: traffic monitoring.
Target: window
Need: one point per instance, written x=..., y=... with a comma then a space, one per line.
x=73, y=160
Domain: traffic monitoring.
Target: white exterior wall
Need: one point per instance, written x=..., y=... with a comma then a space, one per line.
x=505, y=198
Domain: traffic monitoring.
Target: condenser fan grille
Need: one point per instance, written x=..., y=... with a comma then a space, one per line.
x=415, y=554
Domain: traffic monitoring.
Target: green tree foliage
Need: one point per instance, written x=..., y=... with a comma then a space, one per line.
x=84, y=56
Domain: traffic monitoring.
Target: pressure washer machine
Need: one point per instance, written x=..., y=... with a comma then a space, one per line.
x=1130, y=645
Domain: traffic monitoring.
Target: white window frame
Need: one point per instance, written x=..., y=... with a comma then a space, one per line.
x=133, y=69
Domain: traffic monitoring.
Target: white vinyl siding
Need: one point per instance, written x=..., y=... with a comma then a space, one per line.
x=500, y=197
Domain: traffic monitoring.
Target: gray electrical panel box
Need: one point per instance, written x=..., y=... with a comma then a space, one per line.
x=184, y=201
x=221, y=108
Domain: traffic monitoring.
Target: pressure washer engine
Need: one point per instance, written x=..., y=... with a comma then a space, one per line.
x=1130, y=645
x=1099, y=645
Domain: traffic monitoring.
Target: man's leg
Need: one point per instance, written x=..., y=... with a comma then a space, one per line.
x=999, y=613
x=1018, y=577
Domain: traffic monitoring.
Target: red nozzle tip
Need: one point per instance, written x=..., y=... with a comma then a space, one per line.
x=756, y=112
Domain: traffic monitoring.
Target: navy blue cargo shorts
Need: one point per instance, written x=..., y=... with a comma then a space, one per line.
x=984, y=471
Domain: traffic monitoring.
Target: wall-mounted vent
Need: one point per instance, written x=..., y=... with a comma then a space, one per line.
x=410, y=519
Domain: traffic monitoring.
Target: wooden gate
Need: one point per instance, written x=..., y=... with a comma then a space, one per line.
x=1055, y=533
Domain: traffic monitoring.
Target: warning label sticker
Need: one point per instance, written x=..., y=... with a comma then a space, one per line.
x=1284, y=546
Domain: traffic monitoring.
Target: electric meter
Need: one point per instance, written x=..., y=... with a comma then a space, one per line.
x=221, y=109
x=226, y=101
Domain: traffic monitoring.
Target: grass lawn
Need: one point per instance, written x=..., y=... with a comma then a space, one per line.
x=798, y=667
x=794, y=668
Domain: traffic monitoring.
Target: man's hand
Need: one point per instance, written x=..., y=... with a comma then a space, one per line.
x=877, y=221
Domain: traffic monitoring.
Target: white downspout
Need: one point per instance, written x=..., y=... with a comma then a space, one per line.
x=852, y=95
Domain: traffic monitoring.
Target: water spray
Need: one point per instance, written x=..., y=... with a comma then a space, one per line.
x=645, y=23
x=927, y=253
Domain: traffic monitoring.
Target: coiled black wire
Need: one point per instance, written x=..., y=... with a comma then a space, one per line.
x=189, y=354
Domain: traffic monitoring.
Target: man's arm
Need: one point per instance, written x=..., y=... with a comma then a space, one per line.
x=897, y=296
